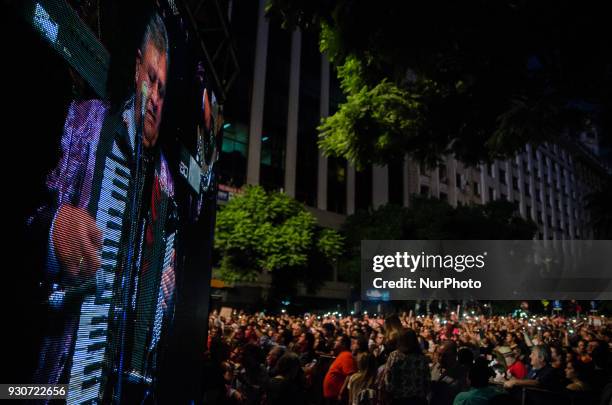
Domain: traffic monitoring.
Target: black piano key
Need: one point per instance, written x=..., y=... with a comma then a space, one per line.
x=119, y=197
x=120, y=184
x=96, y=320
x=111, y=243
x=108, y=267
x=92, y=367
x=115, y=212
x=119, y=159
x=108, y=255
x=89, y=383
x=122, y=173
x=113, y=225
x=97, y=333
x=96, y=346
x=102, y=301
x=93, y=401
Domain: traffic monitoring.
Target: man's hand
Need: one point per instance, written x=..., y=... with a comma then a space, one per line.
x=77, y=241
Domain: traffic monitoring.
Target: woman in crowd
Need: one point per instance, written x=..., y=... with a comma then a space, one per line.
x=393, y=328
x=286, y=387
x=361, y=384
x=407, y=376
x=577, y=373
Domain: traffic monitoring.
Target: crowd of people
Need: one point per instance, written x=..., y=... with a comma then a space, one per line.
x=449, y=359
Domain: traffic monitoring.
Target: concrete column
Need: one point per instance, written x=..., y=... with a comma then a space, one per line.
x=484, y=188
x=406, y=179
x=453, y=187
x=380, y=185
x=521, y=187
x=570, y=204
x=434, y=182
x=495, y=181
x=350, y=189
x=292, y=113
x=509, y=177
x=324, y=112
x=257, y=100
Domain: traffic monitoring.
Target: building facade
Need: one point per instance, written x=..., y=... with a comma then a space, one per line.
x=549, y=184
x=286, y=86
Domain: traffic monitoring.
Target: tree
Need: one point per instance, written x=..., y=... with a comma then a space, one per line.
x=271, y=232
x=476, y=79
x=430, y=219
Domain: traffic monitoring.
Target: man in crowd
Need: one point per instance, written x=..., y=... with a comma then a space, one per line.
x=272, y=358
x=541, y=375
x=342, y=367
x=480, y=392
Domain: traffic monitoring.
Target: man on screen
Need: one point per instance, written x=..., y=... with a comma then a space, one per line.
x=74, y=239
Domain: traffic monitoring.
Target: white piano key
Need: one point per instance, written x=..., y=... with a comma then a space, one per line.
x=109, y=262
x=91, y=392
x=112, y=234
x=108, y=276
x=87, y=357
x=117, y=151
x=108, y=187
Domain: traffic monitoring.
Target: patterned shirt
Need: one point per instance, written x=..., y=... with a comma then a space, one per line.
x=407, y=375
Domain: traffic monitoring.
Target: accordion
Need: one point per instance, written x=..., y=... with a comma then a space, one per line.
x=120, y=324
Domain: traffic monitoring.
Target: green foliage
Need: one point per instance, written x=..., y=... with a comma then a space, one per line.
x=430, y=219
x=474, y=79
x=382, y=118
x=329, y=244
x=259, y=231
